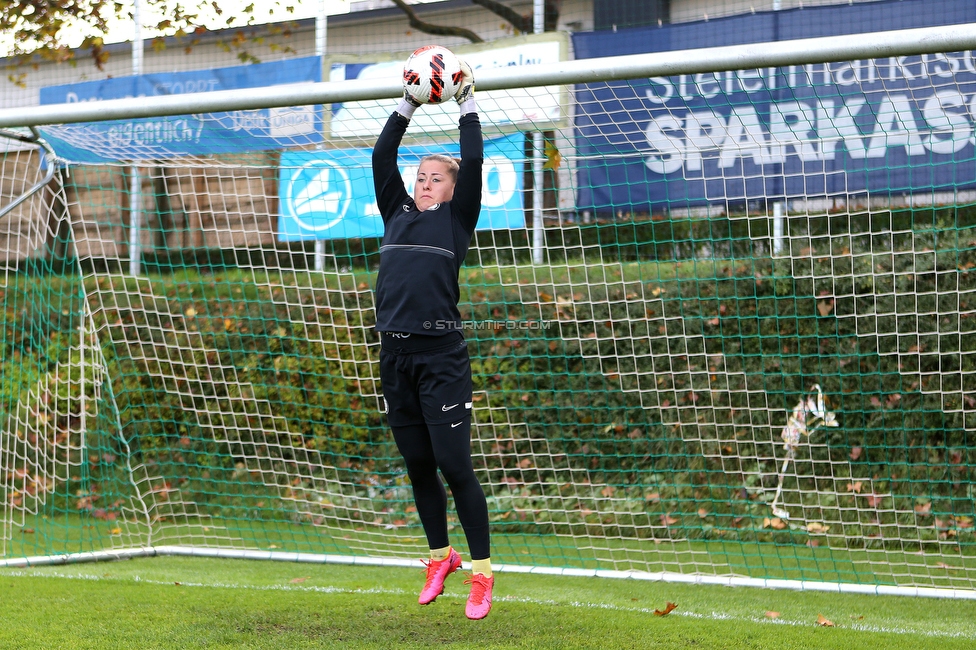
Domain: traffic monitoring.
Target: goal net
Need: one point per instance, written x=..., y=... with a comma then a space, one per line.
x=722, y=324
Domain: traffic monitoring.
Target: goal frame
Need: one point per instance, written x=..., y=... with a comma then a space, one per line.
x=792, y=52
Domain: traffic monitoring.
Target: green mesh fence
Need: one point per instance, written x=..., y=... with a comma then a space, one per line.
x=718, y=388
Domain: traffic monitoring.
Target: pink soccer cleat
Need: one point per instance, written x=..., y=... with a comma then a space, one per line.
x=437, y=572
x=479, y=602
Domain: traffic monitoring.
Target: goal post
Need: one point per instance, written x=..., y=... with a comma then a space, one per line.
x=742, y=351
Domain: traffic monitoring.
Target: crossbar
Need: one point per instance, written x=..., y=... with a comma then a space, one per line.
x=903, y=42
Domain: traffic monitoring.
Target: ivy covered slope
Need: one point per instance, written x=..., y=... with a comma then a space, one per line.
x=287, y=354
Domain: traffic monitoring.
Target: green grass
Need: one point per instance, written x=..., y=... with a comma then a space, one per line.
x=203, y=603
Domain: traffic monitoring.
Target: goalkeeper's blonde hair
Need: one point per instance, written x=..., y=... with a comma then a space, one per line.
x=453, y=164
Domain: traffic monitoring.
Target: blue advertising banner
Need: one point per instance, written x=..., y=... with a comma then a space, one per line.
x=890, y=125
x=534, y=107
x=329, y=194
x=165, y=137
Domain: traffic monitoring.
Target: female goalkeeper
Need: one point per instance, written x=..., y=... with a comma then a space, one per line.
x=424, y=364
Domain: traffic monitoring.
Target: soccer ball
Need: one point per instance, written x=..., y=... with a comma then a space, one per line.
x=432, y=74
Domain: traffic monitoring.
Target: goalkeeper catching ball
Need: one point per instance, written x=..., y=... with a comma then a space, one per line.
x=424, y=363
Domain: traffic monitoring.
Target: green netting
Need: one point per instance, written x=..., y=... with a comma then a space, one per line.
x=655, y=396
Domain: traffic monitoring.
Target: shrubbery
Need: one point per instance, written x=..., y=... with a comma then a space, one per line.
x=192, y=353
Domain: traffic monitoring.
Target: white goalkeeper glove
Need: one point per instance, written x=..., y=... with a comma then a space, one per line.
x=408, y=104
x=465, y=92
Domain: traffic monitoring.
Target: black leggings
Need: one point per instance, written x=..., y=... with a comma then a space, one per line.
x=427, y=447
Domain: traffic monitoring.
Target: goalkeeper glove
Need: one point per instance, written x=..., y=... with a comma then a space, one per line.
x=465, y=89
x=408, y=104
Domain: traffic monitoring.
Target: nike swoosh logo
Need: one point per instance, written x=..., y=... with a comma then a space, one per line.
x=457, y=424
x=448, y=408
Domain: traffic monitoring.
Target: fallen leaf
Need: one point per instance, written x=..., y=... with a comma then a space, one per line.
x=670, y=607
x=817, y=528
x=772, y=614
x=553, y=157
x=825, y=307
x=856, y=453
x=924, y=509
x=854, y=487
x=296, y=581
x=822, y=621
x=874, y=500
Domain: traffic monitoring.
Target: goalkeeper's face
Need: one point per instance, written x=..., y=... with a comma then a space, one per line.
x=435, y=184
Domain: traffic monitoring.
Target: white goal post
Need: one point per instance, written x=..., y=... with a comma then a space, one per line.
x=742, y=350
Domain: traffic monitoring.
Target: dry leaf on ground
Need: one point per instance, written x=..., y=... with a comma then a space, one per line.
x=667, y=610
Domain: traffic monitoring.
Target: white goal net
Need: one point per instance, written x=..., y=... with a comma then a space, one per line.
x=722, y=323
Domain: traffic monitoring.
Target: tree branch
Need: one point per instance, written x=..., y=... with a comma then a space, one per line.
x=437, y=30
x=553, y=9
x=518, y=21
x=524, y=22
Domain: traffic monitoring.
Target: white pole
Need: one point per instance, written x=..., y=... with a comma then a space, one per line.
x=135, y=191
x=538, y=158
x=538, y=229
x=778, y=206
x=778, y=221
x=83, y=331
x=321, y=38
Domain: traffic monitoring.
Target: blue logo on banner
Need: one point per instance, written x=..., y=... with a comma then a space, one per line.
x=205, y=134
x=323, y=192
x=329, y=194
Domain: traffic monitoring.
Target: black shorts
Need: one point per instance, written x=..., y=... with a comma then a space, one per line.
x=430, y=386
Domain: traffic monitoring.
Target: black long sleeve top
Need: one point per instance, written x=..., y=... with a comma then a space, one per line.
x=422, y=252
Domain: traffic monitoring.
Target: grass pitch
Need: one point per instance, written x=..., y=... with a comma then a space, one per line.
x=171, y=602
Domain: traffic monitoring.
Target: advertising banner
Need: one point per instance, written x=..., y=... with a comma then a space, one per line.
x=329, y=194
x=166, y=137
x=889, y=125
x=535, y=108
